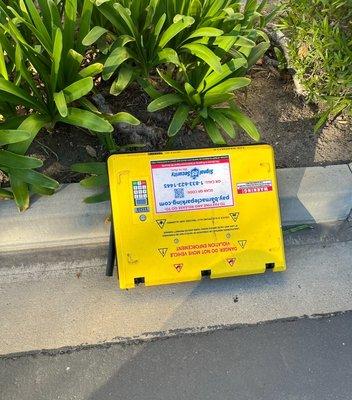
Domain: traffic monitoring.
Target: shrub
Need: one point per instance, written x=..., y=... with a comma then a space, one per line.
x=201, y=48
x=320, y=38
x=43, y=76
x=203, y=100
x=148, y=33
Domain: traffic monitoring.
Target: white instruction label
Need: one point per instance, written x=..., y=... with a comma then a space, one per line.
x=192, y=184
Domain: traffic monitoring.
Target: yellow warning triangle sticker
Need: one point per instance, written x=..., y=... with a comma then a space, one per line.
x=234, y=216
x=231, y=261
x=163, y=251
x=242, y=243
x=161, y=223
x=178, y=267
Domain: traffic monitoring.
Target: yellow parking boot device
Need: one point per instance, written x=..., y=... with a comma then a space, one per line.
x=181, y=215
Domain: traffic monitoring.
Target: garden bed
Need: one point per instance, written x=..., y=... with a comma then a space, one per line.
x=283, y=118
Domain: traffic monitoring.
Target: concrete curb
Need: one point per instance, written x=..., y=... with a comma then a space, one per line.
x=307, y=195
x=315, y=194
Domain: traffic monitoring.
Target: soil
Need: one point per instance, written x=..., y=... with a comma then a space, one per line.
x=63, y=147
x=283, y=118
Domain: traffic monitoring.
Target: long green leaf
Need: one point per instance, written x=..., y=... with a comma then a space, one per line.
x=195, y=8
x=3, y=69
x=88, y=105
x=250, y=6
x=57, y=54
x=168, y=55
x=217, y=116
x=122, y=40
x=149, y=88
x=23, y=70
x=243, y=121
x=91, y=70
x=78, y=89
x=39, y=34
x=156, y=34
x=93, y=35
x=138, y=9
x=73, y=64
x=216, y=98
x=98, y=198
x=54, y=15
x=122, y=81
x=127, y=18
x=13, y=160
x=213, y=132
x=206, y=31
x=107, y=9
x=85, y=22
x=42, y=191
x=242, y=41
x=215, y=7
x=323, y=118
x=164, y=101
x=178, y=120
x=8, y=136
x=193, y=95
x=32, y=124
x=205, y=54
x=69, y=25
x=123, y=117
x=257, y=53
x=225, y=42
x=23, y=97
x=37, y=20
x=95, y=181
x=15, y=33
x=60, y=102
x=230, y=85
x=86, y=119
x=226, y=69
x=175, y=29
x=20, y=192
x=34, y=178
x=115, y=59
x=171, y=82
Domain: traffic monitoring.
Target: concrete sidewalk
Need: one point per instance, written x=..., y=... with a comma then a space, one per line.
x=80, y=308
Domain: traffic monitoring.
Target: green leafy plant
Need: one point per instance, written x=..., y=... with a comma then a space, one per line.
x=320, y=37
x=49, y=73
x=203, y=102
x=98, y=178
x=142, y=39
x=281, y=59
x=148, y=33
x=22, y=168
x=44, y=77
x=202, y=50
x=97, y=173
x=204, y=94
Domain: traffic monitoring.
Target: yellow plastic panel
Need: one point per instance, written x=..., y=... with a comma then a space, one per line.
x=178, y=213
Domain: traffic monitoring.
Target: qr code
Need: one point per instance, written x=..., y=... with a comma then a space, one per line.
x=179, y=193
